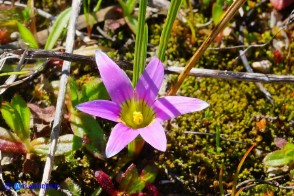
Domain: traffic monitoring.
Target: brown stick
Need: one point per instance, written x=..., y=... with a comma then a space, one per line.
x=208, y=73
x=226, y=18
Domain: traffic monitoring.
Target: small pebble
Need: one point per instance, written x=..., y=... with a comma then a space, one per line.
x=263, y=66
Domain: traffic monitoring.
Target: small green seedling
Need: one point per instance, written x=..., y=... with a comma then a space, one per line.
x=18, y=140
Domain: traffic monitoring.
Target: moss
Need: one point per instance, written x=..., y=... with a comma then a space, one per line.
x=235, y=107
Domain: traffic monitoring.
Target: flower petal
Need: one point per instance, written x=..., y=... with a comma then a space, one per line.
x=115, y=79
x=150, y=81
x=120, y=136
x=154, y=134
x=101, y=108
x=172, y=106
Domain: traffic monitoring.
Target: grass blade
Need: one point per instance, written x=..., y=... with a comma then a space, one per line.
x=165, y=35
x=141, y=43
x=58, y=27
x=27, y=36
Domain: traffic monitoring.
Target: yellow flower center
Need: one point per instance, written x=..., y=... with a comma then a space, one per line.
x=138, y=118
x=136, y=114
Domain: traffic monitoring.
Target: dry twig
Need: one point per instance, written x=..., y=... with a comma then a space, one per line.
x=197, y=72
x=61, y=95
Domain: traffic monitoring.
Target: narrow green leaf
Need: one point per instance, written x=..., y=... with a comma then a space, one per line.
x=40, y=145
x=217, y=12
x=130, y=181
x=65, y=145
x=281, y=157
x=130, y=5
x=24, y=112
x=9, y=142
x=14, y=73
x=165, y=35
x=149, y=173
x=74, y=93
x=132, y=22
x=27, y=36
x=123, y=5
x=13, y=120
x=57, y=29
x=217, y=139
x=89, y=20
x=144, y=49
x=97, y=7
x=140, y=44
x=8, y=135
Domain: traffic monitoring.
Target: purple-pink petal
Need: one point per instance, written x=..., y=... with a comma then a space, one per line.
x=150, y=81
x=172, y=106
x=120, y=136
x=115, y=79
x=154, y=135
x=101, y=108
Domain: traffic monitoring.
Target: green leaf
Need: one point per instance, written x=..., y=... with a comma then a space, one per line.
x=281, y=157
x=140, y=44
x=94, y=90
x=9, y=142
x=165, y=35
x=127, y=7
x=74, y=93
x=26, y=13
x=27, y=36
x=86, y=8
x=8, y=135
x=132, y=22
x=148, y=175
x=130, y=6
x=57, y=29
x=217, y=139
x=24, y=112
x=14, y=73
x=14, y=121
x=217, y=13
x=97, y=7
x=64, y=145
x=40, y=145
x=130, y=181
x=86, y=127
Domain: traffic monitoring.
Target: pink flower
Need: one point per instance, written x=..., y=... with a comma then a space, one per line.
x=136, y=110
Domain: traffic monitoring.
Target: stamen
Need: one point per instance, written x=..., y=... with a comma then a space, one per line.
x=138, y=118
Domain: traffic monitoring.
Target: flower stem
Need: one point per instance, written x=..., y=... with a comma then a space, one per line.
x=135, y=147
